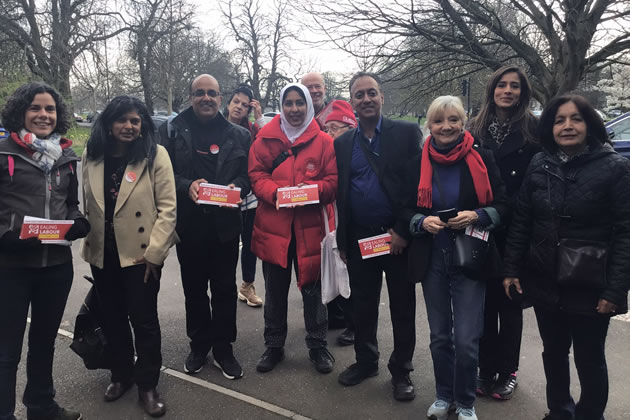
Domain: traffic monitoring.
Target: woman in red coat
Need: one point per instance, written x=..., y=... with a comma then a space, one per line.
x=292, y=151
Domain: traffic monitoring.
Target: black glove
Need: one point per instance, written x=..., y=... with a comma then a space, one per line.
x=79, y=229
x=12, y=244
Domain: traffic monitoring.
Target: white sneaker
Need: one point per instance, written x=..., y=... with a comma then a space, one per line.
x=466, y=413
x=439, y=410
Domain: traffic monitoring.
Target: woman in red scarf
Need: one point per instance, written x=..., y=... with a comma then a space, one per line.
x=460, y=187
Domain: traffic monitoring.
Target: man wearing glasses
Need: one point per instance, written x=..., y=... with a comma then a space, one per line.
x=205, y=147
x=316, y=86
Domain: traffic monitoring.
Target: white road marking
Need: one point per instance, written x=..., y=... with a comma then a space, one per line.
x=218, y=388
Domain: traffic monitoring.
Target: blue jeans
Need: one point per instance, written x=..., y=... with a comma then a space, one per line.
x=558, y=330
x=45, y=290
x=455, y=311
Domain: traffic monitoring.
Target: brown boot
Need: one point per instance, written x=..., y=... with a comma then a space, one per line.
x=152, y=403
x=116, y=390
x=247, y=293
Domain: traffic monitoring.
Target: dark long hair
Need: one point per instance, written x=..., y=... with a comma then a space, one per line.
x=245, y=90
x=101, y=140
x=596, y=134
x=17, y=104
x=521, y=117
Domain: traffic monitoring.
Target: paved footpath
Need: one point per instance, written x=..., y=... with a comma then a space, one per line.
x=294, y=389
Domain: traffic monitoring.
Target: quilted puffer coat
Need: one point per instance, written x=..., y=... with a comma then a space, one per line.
x=585, y=198
x=311, y=161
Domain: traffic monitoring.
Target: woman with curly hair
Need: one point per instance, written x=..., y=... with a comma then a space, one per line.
x=37, y=178
x=129, y=191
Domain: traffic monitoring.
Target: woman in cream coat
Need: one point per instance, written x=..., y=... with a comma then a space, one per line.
x=129, y=199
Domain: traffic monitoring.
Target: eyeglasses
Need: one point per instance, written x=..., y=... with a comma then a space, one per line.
x=200, y=93
x=335, y=128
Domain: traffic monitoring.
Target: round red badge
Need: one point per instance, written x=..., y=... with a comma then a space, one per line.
x=130, y=176
x=311, y=167
x=214, y=149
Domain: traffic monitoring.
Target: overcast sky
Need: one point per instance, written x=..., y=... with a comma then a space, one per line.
x=322, y=58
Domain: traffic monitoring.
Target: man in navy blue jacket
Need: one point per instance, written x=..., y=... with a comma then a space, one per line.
x=374, y=198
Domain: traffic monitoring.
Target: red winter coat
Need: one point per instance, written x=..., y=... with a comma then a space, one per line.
x=311, y=161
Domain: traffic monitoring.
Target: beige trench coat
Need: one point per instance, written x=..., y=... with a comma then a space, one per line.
x=145, y=213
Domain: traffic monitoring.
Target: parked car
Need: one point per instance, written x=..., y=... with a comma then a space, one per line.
x=91, y=116
x=614, y=113
x=268, y=116
x=158, y=120
x=78, y=118
x=602, y=115
x=3, y=133
x=619, y=133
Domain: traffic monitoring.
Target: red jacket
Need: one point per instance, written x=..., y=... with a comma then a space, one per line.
x=311, y=161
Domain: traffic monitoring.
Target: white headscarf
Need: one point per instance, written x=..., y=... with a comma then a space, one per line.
x=293, y=133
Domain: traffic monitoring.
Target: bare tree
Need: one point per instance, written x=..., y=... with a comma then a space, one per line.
x=53, y=33
x=194, y=55
x=262, y=34
x=431, y=43
x=151, y=21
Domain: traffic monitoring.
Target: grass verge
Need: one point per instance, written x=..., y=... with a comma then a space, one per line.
x=79, y=136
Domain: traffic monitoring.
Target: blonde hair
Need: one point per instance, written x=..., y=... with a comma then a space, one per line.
x=441, y=104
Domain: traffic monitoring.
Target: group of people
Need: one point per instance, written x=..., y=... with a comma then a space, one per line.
x=489, y=215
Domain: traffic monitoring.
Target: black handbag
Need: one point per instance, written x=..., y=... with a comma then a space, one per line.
x=89, y=342
x=470, y=253
x=582, y=263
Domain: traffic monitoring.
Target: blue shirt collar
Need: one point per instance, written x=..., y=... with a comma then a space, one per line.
x=376, y=132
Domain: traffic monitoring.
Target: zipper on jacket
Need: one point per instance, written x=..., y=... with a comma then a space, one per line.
x=47, y=215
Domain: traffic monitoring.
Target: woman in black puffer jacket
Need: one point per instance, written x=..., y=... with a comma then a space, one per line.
x=577, y=189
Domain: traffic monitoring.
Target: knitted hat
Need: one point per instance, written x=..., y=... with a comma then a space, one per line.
x=342, y=112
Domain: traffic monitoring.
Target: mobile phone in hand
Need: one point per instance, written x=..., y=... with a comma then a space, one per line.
x=445, y=215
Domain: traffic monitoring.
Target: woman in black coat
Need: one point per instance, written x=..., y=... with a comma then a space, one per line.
x=578, y=189
x=506, y=126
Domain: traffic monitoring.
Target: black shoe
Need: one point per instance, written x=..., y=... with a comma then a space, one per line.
x=115, y=390
x=505, y=387
x=355, y=374
x=323, y=360
x=152, y=403
x=556, y=416
x=485, y=383
x=346, y=338
x=270, y=358
x=229, y=367
x=403, y=388
x=64, y=414
x=194, y=362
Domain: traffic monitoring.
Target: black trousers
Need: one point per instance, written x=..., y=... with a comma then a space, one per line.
x=123, y=297
x=587, y=334
x=248, y=259
x=277, y=283
x=45, y=291
x=366, y=279
x=210, y=322
x=500, y=345
x=340, y=313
